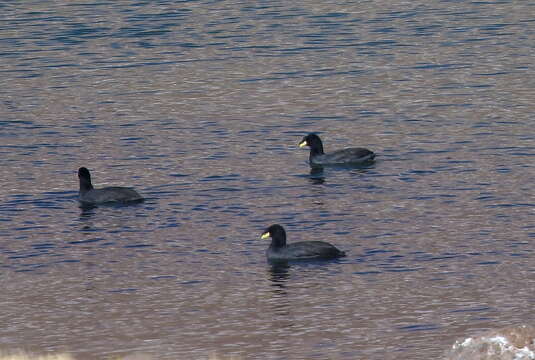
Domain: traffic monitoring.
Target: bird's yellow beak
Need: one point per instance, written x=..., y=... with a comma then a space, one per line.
x=303, y=143
x=265, y=235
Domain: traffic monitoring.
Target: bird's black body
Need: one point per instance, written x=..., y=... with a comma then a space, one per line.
x=89, y=195
x=339, y=157
x=302, y=250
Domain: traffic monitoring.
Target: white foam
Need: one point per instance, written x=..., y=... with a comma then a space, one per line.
x=467, y=342
x=506, y=347
x=497, y=345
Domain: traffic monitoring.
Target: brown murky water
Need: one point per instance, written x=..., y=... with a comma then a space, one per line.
x=200, y=106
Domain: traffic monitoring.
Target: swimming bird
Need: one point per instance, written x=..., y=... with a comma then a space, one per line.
x=338, y=157
x=302, y=250
x=89, y=195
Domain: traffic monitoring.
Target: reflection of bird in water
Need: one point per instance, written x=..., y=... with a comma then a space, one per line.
x=279, y=274
x=316, y=175
x=87, y=211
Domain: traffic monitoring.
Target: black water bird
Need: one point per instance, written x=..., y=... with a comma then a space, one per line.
x=339, y=157
x=303, y=250
x=89, y=195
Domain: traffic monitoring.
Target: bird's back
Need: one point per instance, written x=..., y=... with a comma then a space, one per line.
x=305, y=250
x=344, y=156
x=110, y=194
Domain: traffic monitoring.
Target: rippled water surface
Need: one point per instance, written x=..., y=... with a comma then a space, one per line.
x=200, y=105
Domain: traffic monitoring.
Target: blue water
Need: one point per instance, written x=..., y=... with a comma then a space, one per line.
x=200, y=106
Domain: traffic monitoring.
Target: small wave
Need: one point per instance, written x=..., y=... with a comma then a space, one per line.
x=510, y=343
x=24, y=355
